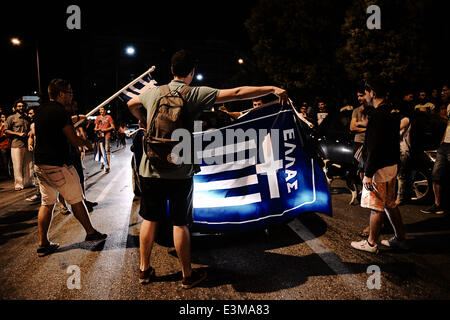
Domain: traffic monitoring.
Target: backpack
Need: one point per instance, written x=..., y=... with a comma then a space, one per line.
x=169, y=113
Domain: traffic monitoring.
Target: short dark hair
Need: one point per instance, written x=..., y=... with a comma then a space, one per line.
x=25, y=105
x=56, y=86
x=182, y=63
x=379, y=86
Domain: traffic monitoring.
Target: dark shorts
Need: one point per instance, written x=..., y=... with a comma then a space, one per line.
x=441, y=166
x=156, y=193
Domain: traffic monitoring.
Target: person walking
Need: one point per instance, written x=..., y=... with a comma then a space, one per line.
x=17, y=127
x=104, y=125
x=381, y=157
x=176, y=185
x=121, y=135
x=55, y=173
x=31, y=144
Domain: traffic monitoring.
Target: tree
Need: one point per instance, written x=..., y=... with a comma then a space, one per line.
x=295, y=42
x=395, y=53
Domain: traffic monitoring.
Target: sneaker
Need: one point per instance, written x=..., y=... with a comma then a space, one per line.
x=364, y=245
x=107, y=170
x=146, y=276
x=395, y=243
x=434, y=209
x=34, y=198
x=62, y=210
x=102, y=166
x=96, y=236
x=47, y=249
x=195, y=278
x=90, y=203
x=89, y=207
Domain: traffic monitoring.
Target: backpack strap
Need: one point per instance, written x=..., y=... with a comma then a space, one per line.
x=184, y=91
x=164, y=90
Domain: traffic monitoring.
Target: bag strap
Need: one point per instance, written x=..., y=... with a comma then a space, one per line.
x=164, y=90
x=184, y=91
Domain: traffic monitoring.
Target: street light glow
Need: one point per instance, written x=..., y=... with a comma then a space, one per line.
x=16, y=41
x=241, y=61
x=130, y=50
x=199, y=77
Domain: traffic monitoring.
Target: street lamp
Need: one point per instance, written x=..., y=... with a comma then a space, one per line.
x=241, y=61
x=199, y=77
x=17, y=42
x=130, y=51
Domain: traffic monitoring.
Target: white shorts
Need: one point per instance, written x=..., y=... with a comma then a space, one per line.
x=381, y=197
x=53, y=180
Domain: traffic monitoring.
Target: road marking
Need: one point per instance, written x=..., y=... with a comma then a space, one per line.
x=99, y=199
x=112, y=257
x=358, y=288
x=105, y=191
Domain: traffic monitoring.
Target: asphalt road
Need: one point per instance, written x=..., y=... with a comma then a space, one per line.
x=308, y=259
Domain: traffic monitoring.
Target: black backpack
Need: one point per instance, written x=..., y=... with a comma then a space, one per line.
x=169, y=113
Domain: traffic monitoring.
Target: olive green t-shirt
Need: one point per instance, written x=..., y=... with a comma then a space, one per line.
x=197, y=99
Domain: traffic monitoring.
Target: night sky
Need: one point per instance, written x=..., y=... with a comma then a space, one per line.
x=94, y=58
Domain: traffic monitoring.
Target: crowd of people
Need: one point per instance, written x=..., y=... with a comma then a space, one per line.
x=45, y=143
x=17, y=144
x=420, y=125
x=16, y=158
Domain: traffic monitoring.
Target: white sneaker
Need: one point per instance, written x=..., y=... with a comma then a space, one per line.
x=364, y=245
x=33, y=198
x=59, y=208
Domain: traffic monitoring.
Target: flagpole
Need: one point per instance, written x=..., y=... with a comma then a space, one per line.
x=104, y=103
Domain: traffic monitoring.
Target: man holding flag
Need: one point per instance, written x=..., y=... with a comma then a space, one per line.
x=176, y=185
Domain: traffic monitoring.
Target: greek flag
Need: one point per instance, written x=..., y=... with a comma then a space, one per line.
x=265, y=179
x=139, y=87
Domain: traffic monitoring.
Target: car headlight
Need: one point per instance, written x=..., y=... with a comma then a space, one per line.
x=431, y=155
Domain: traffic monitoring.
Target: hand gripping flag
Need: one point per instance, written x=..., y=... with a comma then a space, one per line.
x=265, y=179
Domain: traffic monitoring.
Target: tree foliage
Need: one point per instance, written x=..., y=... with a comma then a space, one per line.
x=319, y=47
x=294, y=41
x=395, y=53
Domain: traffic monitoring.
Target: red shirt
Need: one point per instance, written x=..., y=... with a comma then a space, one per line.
x=5, y=141
x=105, y=122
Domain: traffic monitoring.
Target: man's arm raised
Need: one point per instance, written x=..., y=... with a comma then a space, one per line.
x=245, y=93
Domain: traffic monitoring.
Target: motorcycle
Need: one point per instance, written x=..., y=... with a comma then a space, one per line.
x=333, y=144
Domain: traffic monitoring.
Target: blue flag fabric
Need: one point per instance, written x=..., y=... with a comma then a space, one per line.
x=266, y=179
x=139, y=87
